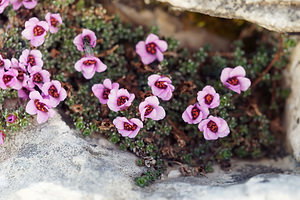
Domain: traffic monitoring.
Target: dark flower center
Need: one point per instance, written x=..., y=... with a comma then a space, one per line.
x=106, y=92
x=148, y=110
x=86, y=40
x=53, y=91
x=195, y=112
x=53, y=21
x=1, y=61
x=212, y=126
x=129, y=127
x=20, y=76
x=26, y=90
x=11, y=118
x=38, y=30
x=7, y=78
x=89, y=62
x=208, y=99
x=121, y=100
x=37, y=78
x=160, y=84
x=151, y=48
x=31, y=60
x=40, y=106
x=233, y=81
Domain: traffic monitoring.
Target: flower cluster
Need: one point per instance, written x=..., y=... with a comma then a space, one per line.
x=89, y=64
x=32, y=82
x=16, y=4
x=215, y=127
x=119, y=98
x=36, y=30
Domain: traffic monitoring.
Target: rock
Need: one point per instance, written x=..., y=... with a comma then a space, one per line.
x=169, y=26
x=51, y=162
x=292, y=109
x=267, y=186
x=281, y=16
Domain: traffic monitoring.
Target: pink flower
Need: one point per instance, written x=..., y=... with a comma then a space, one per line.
x=31, y=58
x=89, y=65
x=8, y=78
x=38, y=77
x=21, y=77
x=4, y=63
x=55, y=92
x=213, y=128
x=11, y=118
x=29, y=4
x=161, y=86
x=2, y=137
x=41, y=107
x=87, y=35
x=194, y=114
x=54, y=20
x=234, y=79
x=119, y=99
x=128, y=128
x=208, y=97
x=150, y=109
x=151, y=49
x=3, y=5
x=101, y=91
x=24, y=92
x=35, y=31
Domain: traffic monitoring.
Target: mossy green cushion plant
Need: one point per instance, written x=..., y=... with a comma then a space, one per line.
x=252, y=116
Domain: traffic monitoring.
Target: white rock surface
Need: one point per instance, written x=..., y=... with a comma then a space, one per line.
x=51, y=162
x=277, y=15
x=292, y=112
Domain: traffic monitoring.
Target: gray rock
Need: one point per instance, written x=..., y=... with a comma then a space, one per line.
x=51, y=162
x=54, y=158
x=292, y=109
x=281, y=16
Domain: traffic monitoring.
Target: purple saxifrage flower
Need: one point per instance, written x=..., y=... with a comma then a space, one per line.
x=4, y=63
x=208, y=97
x=101, y=91
x=194, y=114
x=3, y=5
x=151, y=49
x=119, y=99
x=35, y=31
x=53, y=20
x=2, y=137
x=24, y=92
x=8, y=78
x=89, y=65
x=128, y=128
x=31, y=58
x=29, y=4
x=11, y=118
x=150, y=109
x=40, y=106
x=38, y=77
x=22, y=77
x=55, y=92
x=234, y=79
x=161, y=86
x=213, y=128
x=87, y=35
